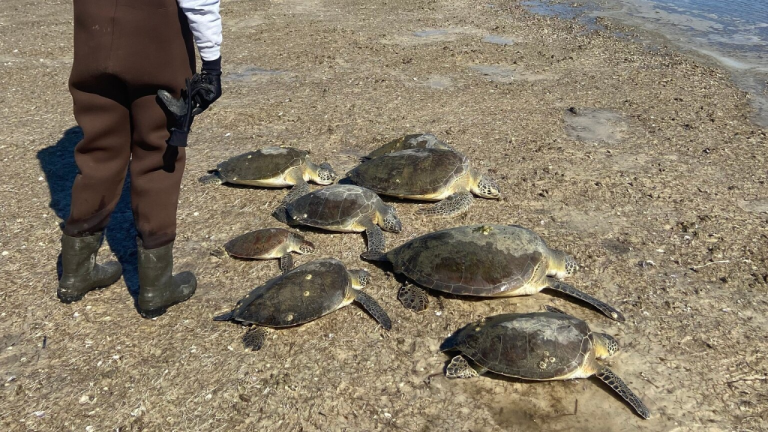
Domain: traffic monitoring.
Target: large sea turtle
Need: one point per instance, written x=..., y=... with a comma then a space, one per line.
x=427, y=174
x=408, y=142
x=304, y=294
x=273, y=167
x=536, y=346
x=269, y=243
x=343, y=208
x=485, y=261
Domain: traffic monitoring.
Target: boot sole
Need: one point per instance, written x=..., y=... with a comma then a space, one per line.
x=67, y=299
x=154, y=313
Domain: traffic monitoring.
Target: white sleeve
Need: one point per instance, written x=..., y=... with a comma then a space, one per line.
x=205, y=23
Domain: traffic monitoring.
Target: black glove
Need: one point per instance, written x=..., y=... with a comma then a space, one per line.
x=206, y=86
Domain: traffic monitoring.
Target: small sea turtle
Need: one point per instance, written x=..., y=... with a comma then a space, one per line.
x=269, y=243
x=485, y=261
x=427, y=174
x=304, y=294
x=409, y=142
x=536, y=346
x=343, y=208
x=273, y=167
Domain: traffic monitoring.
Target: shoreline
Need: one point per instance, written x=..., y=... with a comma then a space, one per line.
x=749, y=71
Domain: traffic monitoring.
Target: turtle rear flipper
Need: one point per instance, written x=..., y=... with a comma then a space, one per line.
x=606, y=309
x=453, y=205
x=225, y=317
x=254, y=338
x=413, y=298
x=554, y=310
x=610, y=378
x=374, y=309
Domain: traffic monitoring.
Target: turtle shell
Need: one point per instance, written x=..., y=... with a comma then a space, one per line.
x=408, y=142
x=415, y=173
x=264, y=164
x=478, y=260
x=259, y=243
x=336, y=207
x=537, y=346
x=304, y=294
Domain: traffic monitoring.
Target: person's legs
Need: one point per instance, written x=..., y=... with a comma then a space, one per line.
x=156, y=172
x=100, y=108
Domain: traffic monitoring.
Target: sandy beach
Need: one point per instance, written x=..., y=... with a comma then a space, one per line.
x=641, y=162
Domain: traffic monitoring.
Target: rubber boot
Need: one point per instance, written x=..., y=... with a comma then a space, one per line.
x=158, y=288
x=80, y=273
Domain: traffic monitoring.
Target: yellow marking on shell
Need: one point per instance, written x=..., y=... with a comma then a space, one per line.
x=308, y=277
x=249, y=156
x=542, y=364
x=477, y=328
x=289, y=317
x=306, y=293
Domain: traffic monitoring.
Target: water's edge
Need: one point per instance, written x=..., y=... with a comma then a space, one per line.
x=707, y=36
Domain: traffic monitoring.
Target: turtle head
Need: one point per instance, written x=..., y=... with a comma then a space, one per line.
x=562, y=265
x=359, y=278
x=390, y=222
x=605, y=345
x=570, y=265
x=306, y=247
x=486, y=187
x=324, y=174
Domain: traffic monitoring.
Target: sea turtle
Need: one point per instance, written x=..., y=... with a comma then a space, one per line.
x=427, y=174
x=304, y=294
x=343, y=208
x=272, y=167
x=485, y=261
x=540, y=346
x=269, y=243
x=408, y=142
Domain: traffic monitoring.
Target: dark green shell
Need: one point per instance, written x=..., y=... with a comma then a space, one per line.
x=334, y=206
x=408, y=142
x=411, y=172
x=537, y=346
x=478, y=260
x=303, y=294
x=262, y=164
x=256, y=244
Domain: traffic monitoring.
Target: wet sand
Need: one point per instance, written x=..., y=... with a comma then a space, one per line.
x=641, y=162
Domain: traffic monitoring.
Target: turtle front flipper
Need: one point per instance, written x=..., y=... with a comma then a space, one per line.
x=254, y=338
x=459, y=367
x=300, y=189
x=610, y=378
x=373, y=308
x=213, y=178
x=606, y=309
x=375, y=240
x=286, y=263
x=453, y=205
x=413, y=297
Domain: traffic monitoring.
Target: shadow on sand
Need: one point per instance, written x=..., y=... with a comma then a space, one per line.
x=58, y=164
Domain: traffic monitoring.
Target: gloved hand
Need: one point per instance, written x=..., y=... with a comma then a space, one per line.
x=206, y=86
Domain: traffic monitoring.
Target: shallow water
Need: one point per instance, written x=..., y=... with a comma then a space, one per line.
x=735, y=32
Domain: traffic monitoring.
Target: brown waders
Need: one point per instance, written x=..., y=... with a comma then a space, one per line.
x=125, y=51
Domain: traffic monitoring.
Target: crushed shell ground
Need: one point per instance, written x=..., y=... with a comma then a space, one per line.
x=655, y=181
